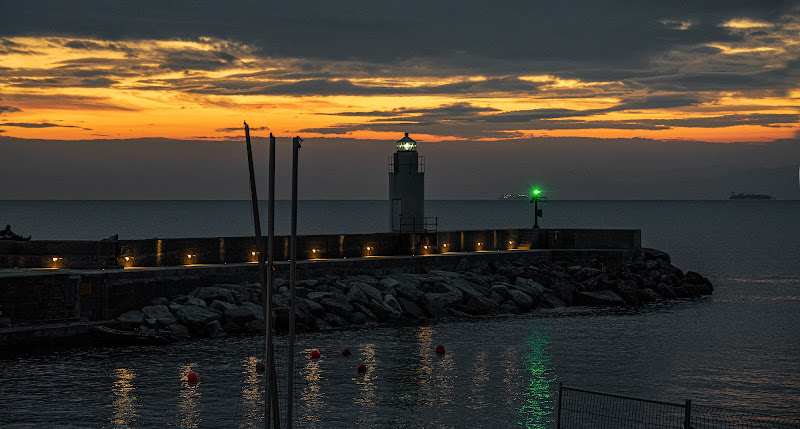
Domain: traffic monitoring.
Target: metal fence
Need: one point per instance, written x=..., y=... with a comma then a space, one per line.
x=585, y=409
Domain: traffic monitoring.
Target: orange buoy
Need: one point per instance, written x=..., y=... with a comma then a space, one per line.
x=362, y=368
x=315, y=354
x=260, y=367
x=439, y=350
x=346, y=352
x=191, y=377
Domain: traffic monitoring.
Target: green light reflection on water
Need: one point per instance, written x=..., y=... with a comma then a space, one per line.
x=538, y=410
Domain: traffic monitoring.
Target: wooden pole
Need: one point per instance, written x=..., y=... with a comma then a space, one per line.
x=260, y=252
x=292, y=280
x=272, y=379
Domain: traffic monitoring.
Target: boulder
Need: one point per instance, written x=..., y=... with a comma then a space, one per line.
x=600, y=297
x=666, y=291
x=366, y=311
x=703, y=284
x=370, y=291
x=522, y=300
x=508, y=307
x=244, y=313
x=391, y=302
x=655, y=254
x=467, y=289
x=432, y=308
x=530, y=287
x=381, y=311
x=551, y=301
x=501, y=289
x=409, y=292
x=188, y=300
x=648, y=295
x=627, y=290
x=131, y=319
x=162, y=300
x=564, y=290
x=445, y=299
x=411, y=310
x=338, y=307
x=222, y=306
x=196, y=317
x=160, y=311
x=214, y=330
x=483, y=305
x=510, y=272
x=178, y=331
x=334, y=320
x=356, y=295
x=213, y=293
x=316, y=308
x=389, y=284
x=360, y=319
x=585, y=273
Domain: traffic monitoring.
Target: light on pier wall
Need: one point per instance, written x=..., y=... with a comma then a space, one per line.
x=191, y=258
x=253, y=256
x=479, y=245
x=127, y=261
x=368, y=251
x=57, y=262
x=510, y=244
x=316, y=253
x=444, y=247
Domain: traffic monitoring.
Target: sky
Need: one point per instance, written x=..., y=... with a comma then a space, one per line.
x=588, y=99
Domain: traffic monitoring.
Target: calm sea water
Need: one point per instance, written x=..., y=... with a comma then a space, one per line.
x=739, y=348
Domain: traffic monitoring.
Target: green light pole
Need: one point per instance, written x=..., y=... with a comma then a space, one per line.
x=537, y=211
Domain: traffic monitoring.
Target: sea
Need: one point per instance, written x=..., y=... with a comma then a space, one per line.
x=737, y=349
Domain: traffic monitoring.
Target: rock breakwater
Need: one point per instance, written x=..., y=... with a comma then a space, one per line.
x=491, y=288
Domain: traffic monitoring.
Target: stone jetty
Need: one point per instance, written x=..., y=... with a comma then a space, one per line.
x=489, y=289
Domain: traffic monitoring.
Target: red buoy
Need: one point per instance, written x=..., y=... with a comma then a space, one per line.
x=191, y=377
x=439, y=350
x=315, y=354
x=260, y=367
x=362, y=368
x=346, y=352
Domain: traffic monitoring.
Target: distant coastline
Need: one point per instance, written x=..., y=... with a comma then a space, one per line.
x=735, y=196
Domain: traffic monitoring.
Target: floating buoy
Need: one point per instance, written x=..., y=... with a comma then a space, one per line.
x=346, y=352
x=191, y=378
x=439, y=350
x=315, y=354
x=260, y=367
x=362, y=368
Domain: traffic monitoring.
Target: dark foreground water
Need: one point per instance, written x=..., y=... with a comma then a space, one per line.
x=739, y=348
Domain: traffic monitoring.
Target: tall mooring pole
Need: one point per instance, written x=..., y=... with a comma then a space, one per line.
x=271, y=376
x=262, y=272
x=292, y=281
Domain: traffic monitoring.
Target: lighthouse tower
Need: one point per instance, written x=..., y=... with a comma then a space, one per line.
x=407, y=188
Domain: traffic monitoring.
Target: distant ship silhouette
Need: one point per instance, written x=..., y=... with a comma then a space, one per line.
x=735, y=196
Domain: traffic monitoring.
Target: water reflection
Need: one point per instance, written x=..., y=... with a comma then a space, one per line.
x=367, y=384
x=538, y=409
x=480, y=377
x=312, y=398
x=188, y=400
x=124, y=401
x=252, y=414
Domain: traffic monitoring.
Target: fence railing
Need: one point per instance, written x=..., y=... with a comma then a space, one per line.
x=585, y=409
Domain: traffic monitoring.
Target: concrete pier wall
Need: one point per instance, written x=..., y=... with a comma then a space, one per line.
x=225, y=250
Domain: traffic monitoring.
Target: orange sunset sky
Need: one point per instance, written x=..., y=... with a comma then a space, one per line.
x=717, y=71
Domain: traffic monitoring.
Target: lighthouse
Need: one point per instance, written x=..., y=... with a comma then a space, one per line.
x=407, y=188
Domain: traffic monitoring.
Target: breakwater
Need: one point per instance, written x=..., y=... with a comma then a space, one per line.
x=474, y=288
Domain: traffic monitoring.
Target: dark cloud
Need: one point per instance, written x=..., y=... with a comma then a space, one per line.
x=623, y=34
x=9, y=109
x=38, y=125
x=101, y=82
x=237, y=129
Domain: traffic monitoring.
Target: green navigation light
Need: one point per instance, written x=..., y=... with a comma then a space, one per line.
x=536, y=192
